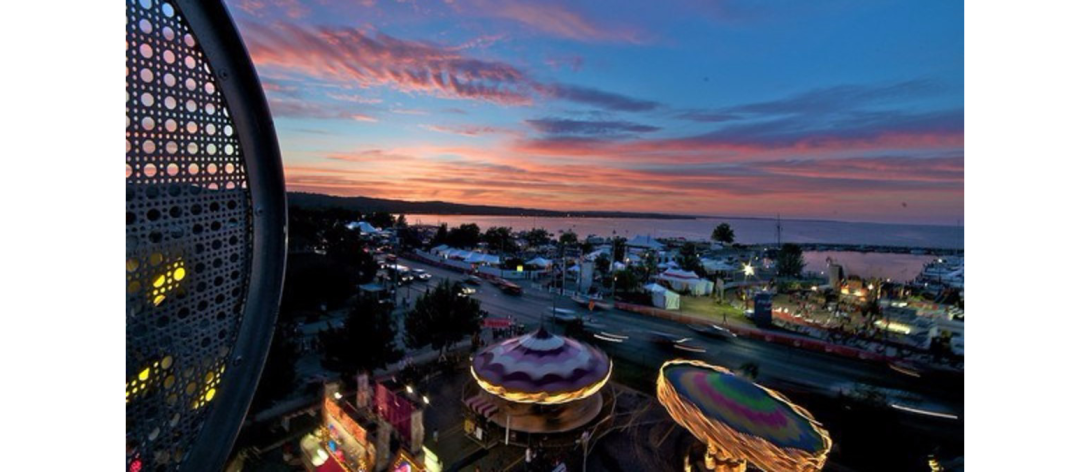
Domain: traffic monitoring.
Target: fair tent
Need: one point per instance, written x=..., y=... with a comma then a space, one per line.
x=644, y=241
x=686, y=281
x=663, y=297
x=540, y=262
x=363, y=227
x=680, y=274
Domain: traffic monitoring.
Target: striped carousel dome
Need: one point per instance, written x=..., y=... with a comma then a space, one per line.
x=541, y=367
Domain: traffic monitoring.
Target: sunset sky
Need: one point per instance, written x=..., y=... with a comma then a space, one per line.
x=848, y=110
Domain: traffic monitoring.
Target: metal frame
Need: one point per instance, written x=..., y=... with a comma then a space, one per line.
x=263, y=267
x=237, y=79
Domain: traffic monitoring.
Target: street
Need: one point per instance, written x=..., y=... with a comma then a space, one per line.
x=777, y=363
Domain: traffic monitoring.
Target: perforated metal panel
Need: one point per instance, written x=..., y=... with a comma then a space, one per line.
x=192, y=237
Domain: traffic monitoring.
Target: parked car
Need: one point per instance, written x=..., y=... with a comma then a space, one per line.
x=420, y=274
x=473, y=280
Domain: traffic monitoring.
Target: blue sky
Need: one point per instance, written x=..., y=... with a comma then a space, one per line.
x=847, y=110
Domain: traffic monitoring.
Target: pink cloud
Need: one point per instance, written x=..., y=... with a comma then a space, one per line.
x=355, y=57
x=801, y=187
x=468, y=130
x=261, y=8
x=557, y=20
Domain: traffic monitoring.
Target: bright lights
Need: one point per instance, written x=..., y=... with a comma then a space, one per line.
x=426, y=400
x=923, y=412
x=409, y=388
x=894, y=326
x=338, y=395
x=543, y=398
x=748, y=270
x=725, y=444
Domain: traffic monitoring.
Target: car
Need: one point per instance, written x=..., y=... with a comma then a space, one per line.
x=464, y=290
x=670, y=342
x=511, y=288
x=562, y=315
x=420, y=274
x=473, y=280
x=713, y=331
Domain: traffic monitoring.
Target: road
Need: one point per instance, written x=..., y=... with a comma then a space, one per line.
x=777, y=363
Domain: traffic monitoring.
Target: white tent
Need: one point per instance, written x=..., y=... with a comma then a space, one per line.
x=680, y=274
x=459, y=254
x=683, y=280
x=490, y=259
x=441, y=249
x=363, y=227
x=663, y=297
x=594, y=255
x=716, y=265
x=644, y=241
x=539, y=262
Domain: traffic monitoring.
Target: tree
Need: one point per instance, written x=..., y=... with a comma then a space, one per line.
x=649, y=265
x=440, y=236
x=586, y=247
x=368, y=340
x=464, y=236
x=499, y=238
x=789, y=262
x=569, y=238
x=441, y=318
x=344, y=244
x=380, y=219
x=513, y=263
x=368, y=269
x=311, y=280
x=603, y=265
x=409, y=237
x=401, y=223
x=627, y=280
x=538, y=237
x=278, y=376
x=688, y=259
x=619, y=248
x=723, y=233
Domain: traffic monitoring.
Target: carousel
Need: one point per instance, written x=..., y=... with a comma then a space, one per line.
x=739, y=421
x=539, y=383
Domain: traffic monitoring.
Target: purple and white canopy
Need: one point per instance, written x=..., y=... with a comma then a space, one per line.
x=541, y=368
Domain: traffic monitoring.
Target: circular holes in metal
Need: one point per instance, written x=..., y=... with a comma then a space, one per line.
x=182, y=160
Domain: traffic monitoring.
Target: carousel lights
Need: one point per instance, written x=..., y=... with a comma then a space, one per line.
x=542, y=398
x=734, y=448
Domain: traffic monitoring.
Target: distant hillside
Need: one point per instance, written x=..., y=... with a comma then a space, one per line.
x=366, y=204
